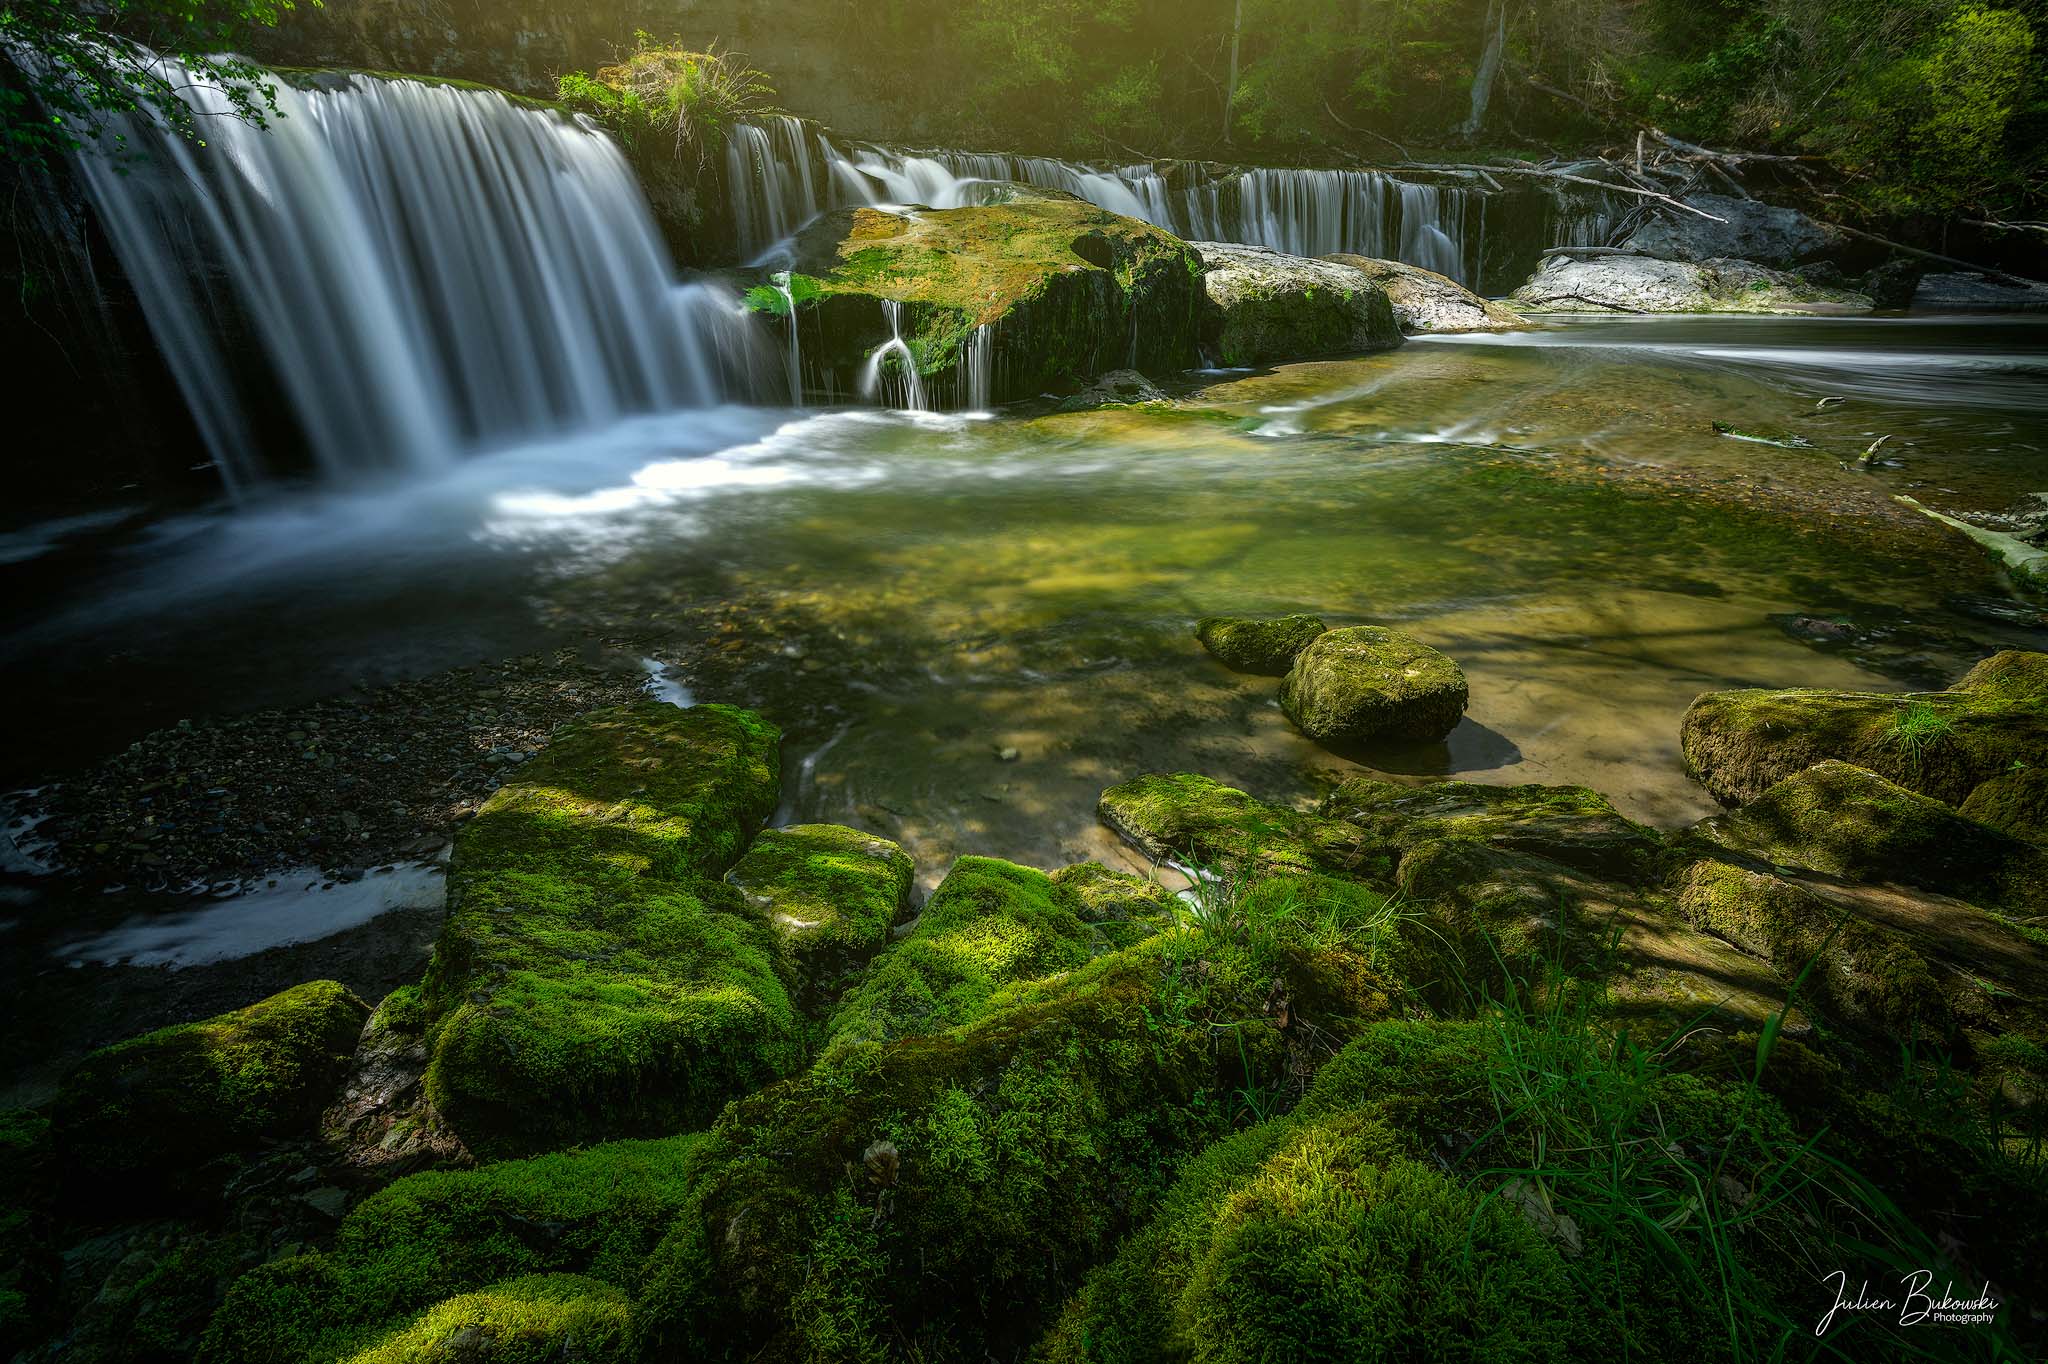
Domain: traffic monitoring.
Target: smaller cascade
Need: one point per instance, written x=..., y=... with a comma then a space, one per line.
x=899, y=386
x=795, y=354
x=978, y=369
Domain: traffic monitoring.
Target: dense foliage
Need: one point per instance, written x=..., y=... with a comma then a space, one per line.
x=1930, y=106
x=71, y=69
x=663, y=90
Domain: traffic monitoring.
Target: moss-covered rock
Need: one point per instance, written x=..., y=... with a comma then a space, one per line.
x=1123, y=909
x=1861, y=972
x=989, y=923
x=1941, y=744
x=1265, y=647
x=544, y=1319
x=2015, y=802
x=146, y=1117
x=1365, y=683
x=1844, y=821
x=1425, y=302
x=831, y=894
x=1640, y=284
x=1064, y=290
x=594, y=979
x=433, y=1238
x=381, y=1122
x=29, y=1265
x=1566, y=824
x=1261, y=306
x=936, y=1197
x=1190, y=820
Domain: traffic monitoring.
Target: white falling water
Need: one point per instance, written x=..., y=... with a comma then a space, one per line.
x=777, y=186
x=425, y=270
x=897, y=385
x=978, y=369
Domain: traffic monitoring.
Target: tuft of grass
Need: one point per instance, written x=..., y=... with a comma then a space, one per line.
x=1919, y=728
x=693, y=99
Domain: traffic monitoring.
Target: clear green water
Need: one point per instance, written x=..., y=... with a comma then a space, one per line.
x=911, y=598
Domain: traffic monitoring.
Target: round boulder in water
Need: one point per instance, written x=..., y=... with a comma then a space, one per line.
x=1266, y=647
x=1365, y=683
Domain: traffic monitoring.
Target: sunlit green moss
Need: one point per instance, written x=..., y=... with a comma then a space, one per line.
x=539, y=1320
x=831, y=895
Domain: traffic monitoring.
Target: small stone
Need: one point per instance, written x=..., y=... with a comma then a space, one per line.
x=1007, y=755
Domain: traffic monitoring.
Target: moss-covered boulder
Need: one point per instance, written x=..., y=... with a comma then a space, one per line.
x=1368, y=683
x=831, y=894
x=1189, y=820
x=1567, y=824
x=1265, y=647
x=1425, y=302
x=538, y=1320
x=1261, y=306
x=1941, y=744
x=149, y=1115
x=1122, y=909
x=1053, y=289
x=406, y=1255
x=594, y=978
x=2015, y=802
x=1843, y=821
x=937, y=1197
x=989, y=923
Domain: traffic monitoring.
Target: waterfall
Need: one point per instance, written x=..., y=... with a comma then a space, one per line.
x=424, y=269
x=907, y=391
x=978, y=369
x=775, y=189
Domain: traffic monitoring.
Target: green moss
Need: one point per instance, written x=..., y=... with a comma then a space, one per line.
x=29, y=1266
x=202, y=1091
x=988, y=924
x=1123, y=909
x=1941, y=744
x=1265, y=647
x=1862, y=973
x=432, y=1237
x=1365, y=683
x=2014, y=802
x=1570, y=825
x=1845, y=821
x=1187, y=818
x=537, y=1320
x=592, y=979
x=830, y=893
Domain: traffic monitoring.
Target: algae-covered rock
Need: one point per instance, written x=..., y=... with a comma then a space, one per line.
x=831, y=894
x=1364, y=683
x=1426, y=302
x=1191, y=820
x=1265, y=647
x=1263, y=306
x=2015, y=802
x=594, y=979
x=538, y=1320
x=1941, y=744
x=1641, y=284
x=1844, y=821
x=148, y=1114
x=434, y=1238
x=1064, y=291
x=988, y=924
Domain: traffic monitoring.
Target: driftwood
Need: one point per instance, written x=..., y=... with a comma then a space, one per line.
x=1337, y=119
x=1988, y=272
x=1547, y=173
x=1594, y=251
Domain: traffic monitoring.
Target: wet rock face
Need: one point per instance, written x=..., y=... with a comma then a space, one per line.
x=1365, y=683
x=1426, y=302
x=1642, y=284
x=1265, y=647
x=1752, y=231
x=1262, y=307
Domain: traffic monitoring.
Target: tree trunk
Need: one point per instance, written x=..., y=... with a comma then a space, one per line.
x=1230, y=92
x=1489, y=67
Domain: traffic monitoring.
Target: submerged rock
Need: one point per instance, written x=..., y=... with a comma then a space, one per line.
x=594, y=978
x=1751, y=231
x=1642, y=284
x=1053, y=291
x=1118, y=388
x=149, y=1115
x=1941, y=744
x=831, y=894
x=1365, y=683
x=1265, y=647
x=1262, y=307
x=1426, y=302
